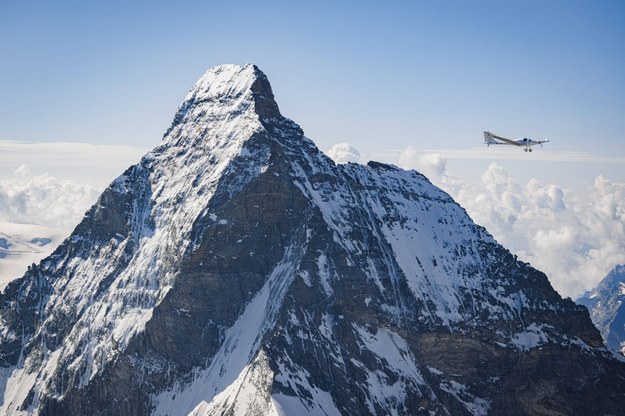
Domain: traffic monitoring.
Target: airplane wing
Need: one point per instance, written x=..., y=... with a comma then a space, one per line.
x=508, y=141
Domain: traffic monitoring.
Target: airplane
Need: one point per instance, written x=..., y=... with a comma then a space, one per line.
x=490, y=138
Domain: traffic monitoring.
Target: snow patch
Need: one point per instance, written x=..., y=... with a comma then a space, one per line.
x=394, y=354
x=325, y=276
x=321, y=403
x=533, y=336
x=241, y=343
x=475, y=405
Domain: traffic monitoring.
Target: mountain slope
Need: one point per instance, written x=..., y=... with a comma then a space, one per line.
x=605, y=303
x=237, y=270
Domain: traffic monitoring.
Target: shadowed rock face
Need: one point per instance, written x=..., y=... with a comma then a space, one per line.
x=237, y=270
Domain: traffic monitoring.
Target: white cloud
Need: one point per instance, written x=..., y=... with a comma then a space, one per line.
x=344, y=153
x=575, y=237
x=431, y=165
x=44, y=200
x=53, y=184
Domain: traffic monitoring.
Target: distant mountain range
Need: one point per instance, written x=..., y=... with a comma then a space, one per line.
x=237, y=270
x=606, y=304
x=22, y=245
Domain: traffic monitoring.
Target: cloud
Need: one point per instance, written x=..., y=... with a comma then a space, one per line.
x=431, y=165
x=575, y=237
x=53, y=184
x=344, y=153
x=44, y=200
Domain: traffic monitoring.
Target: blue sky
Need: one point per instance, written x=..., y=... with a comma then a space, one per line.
x=431, y=74
x=407, y=82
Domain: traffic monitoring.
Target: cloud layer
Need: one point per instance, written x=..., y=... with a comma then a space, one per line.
x=431, y=165
x=574, y=237
x=53, y=184
x=344, y=153
x=44, y=199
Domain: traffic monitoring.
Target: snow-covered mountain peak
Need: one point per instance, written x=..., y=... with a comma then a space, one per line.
x=225, y=80
x=610, y=285
x=606, y=304
x=226, y=99
x=238, y=270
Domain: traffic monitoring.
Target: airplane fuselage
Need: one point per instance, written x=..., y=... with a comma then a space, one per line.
x=490, y=138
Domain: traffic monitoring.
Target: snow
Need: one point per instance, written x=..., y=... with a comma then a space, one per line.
x=315, y=402
x=435, y=371
x=434, y=245
x=247, y=395
x=533, y=336
x=20, y=383
x=125, y=328
x=395, y=355
x=475, y=405
x=393, y=349
x=241, y=344
x=305, y=276
x=324, y=275
x=16, y=388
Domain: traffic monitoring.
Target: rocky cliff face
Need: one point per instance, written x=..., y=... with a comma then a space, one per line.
x=607, y=311
x=237, y=270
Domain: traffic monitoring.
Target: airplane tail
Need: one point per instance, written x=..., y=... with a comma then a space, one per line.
x=489, y=138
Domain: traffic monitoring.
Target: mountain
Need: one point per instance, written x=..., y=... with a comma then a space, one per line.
x=237, y=270
x=22, y=245
x=605, y=303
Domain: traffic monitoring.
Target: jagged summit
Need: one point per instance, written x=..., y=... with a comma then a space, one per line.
x=238, y=270
x=225, y=91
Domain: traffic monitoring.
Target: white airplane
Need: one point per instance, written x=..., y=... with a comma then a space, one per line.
x=490, y=138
